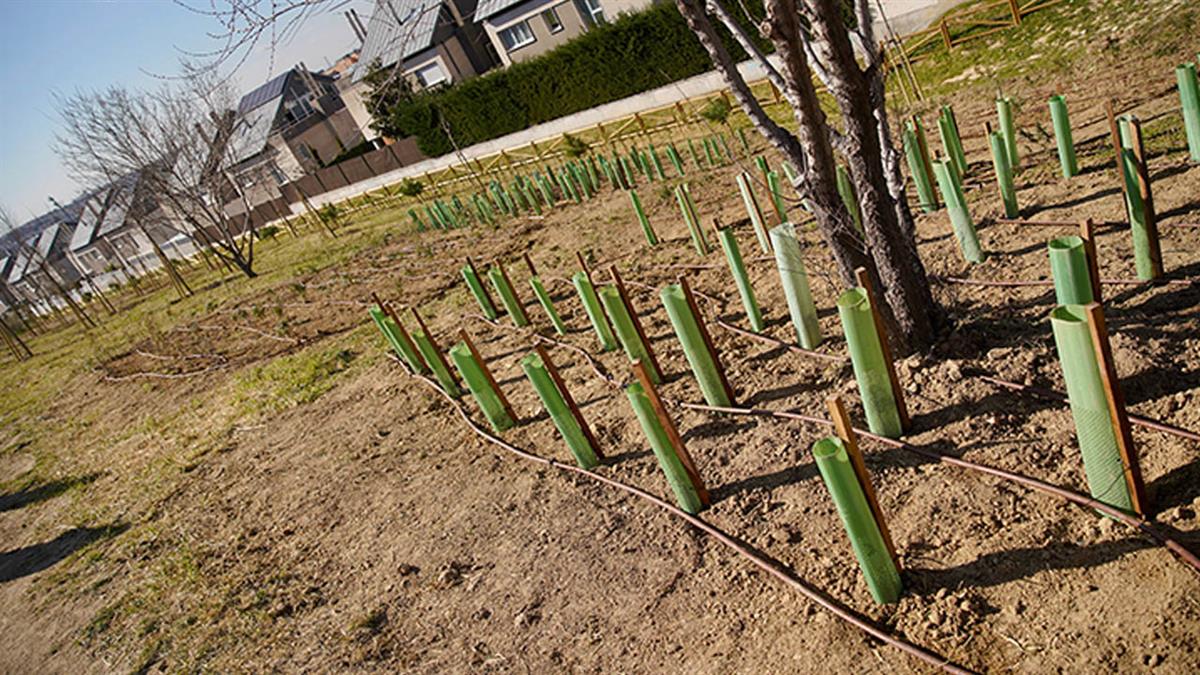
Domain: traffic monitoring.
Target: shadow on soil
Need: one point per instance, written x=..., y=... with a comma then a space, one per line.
x=37, y=557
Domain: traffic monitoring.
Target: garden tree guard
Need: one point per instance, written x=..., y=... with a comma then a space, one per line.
x=889, y=251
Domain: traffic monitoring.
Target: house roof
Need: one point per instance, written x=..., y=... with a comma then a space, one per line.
x=118, y=207
x=47, y=239
x=272, y=89
x=397, y=30
x=89, y=219
x=20, y=264
x=251, y=130
x=488, y=8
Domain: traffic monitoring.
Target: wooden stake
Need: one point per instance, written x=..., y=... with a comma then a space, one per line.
x=562, y=388
x=436, y=347
x=637, y=324
x=1116, y=407
x=704, y=334
x=487, y=372
x=945, y=35
x=1114, y=135
x=1087, y=232
x=864, y=280
x=841, y=422
x=529, y=264
x=583, y=264
x=1143, y=176
x=643, y=377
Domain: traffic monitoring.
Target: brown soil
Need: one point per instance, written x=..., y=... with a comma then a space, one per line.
x=368, y=529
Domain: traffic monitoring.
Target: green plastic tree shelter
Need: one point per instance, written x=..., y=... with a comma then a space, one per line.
x=398, y=339
x=1089, y=406
x=543, y=298
x=508, y=296
x=475, y=285
x=737, y=267
x=1008, y=129
x=878, y=568
x=960, y=218
x=430, y=353
x=677, y=476
x=1062, y=136
x=1069, y=265
x=1144, y=253
x=870, y=369
x=676, y=161
x=416, y=220
x=777, y=196
x=951, y=140
x=1189, y=97
x=1004, y=177
x=742, y=137
x=687, y=329
x=556, y=406
x=846, y=189
x=752, y=209
x=481, y=387
x=916, y=169
x=591, y=306
x=794, y=279
x=684, y=199
x=657, y=162
x=626, y=331
x=651, y=238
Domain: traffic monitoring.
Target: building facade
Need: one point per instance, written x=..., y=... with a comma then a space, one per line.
x=522, y=29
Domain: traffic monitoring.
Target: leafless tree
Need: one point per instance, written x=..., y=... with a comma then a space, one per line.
x=43, y=280
x=811, y=37
x=176, y=141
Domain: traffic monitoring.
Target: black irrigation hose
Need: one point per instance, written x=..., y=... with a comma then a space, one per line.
x=1035, y=484
x=769, y=566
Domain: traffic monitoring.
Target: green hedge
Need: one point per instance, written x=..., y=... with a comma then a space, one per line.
x=635, y=53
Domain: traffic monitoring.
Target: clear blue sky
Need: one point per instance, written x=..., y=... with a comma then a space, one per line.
x=49, y=46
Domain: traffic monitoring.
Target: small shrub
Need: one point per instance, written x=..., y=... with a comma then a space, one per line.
x=717, y=111
x=410, y=187
x=575, y=147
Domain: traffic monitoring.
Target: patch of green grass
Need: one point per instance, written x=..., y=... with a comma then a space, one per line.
x=290, y=380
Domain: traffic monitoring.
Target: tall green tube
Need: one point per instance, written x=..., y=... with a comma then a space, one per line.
x=742, y=137
x=543, y=299
x=658, y=167
x=398, y=340
x=1135, y=206
x=1089, y=406
x=1008, y=129
x=677, y=476
x=752, y=209
x=431, y=356
x=684, y=199
x=846, y=190
x=508, y=297
x=737, y=267
x=688, y=331
x=960, y=218
x=794, y=279
x=951, y=139
x=1189, y=97
x=651, y=238
x=627, y=333
x=777, y=196
x=692, y=152
x=560, y=413
x=676, y=160
x=870, y=369
x=916, y=169
x=591, y=306
x=1004, y=177
x=708, y=152
x=879, y=570
x=476, y=287
x=480, y=387
x=1062, y=136
x=1069, y=265
x=416, y=220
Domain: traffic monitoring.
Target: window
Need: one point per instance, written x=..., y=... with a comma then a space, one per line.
x=430, y=75
x=516, y=36
x=550, y=16
x=593, y=9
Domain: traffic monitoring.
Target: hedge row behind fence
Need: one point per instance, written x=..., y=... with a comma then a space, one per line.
x=633, y=54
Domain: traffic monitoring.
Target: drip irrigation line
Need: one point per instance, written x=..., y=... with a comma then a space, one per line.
x=769, y=566
x=1075, y=223
x=1050, y=282
x=1059, y=396
x=1035, y=484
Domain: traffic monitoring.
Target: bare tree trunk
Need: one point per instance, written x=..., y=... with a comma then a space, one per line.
x=893, y=247
x=812, y=152
x=177, y=282
x=19, y=349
